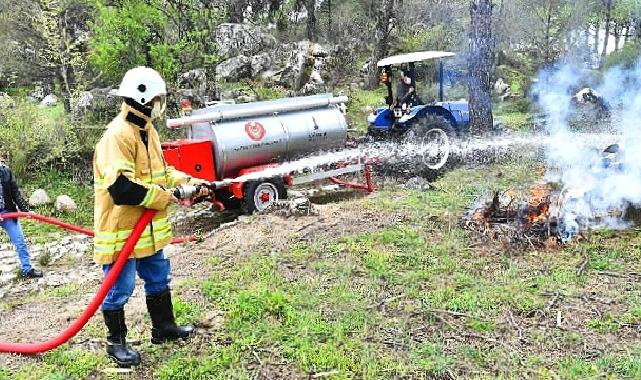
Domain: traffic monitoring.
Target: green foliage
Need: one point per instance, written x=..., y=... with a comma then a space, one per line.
x=359, y=101
x=123, y=37
x=56, y=182
x=432, y=359
x=33, y=138
x=76, y=363
x=168, y=37
x=186, y=312
x=626, y=57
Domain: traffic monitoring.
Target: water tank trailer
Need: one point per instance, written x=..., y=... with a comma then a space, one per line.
x=226, y=143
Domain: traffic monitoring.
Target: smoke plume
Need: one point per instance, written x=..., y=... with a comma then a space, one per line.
x=598, y=185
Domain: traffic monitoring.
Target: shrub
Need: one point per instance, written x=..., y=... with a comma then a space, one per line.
x=33, y=138
x=625, y=57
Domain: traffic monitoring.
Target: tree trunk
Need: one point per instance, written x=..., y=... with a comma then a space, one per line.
x=501, y=33
x=597, y=29
x=608, y=17
x=548, y=28
x=383, y=14
x=480, y=65
x=617, y=36
x=310, y=5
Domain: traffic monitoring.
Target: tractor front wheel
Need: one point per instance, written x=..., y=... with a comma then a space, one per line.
x=260, y=195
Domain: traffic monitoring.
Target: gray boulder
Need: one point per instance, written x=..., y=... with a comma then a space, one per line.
x=99, y=104
x=6, y=101
x=500, y=87
x=194, y=85
x=242, y=39
x=39, y=198
x=41, y=91
x=294, y=59
x=65, y=203
x=49, y=101
x=234, y=69
x=260, y=63
x=195, y=80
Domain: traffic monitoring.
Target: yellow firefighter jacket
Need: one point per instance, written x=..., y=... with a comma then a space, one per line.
x=130, y=177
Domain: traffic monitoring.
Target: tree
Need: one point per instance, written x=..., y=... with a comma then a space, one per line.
x=608, y=18
x=170, y=36
x=383, y=11
x=43, y=40
x=480, y=61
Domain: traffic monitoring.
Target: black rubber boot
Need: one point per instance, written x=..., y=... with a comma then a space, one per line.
x=117, y=347
x=164, y=325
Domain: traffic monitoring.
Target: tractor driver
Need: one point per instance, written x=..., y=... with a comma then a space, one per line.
x=130, y=175
x=404, y=88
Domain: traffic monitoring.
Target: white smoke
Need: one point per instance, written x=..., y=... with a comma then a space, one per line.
x=595, y=189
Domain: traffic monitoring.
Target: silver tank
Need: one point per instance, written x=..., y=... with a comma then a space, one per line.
x=279, y=130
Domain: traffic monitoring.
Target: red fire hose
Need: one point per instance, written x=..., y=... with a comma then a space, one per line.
x=110, y=279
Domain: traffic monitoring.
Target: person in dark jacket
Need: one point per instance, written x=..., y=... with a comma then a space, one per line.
x=11, y=200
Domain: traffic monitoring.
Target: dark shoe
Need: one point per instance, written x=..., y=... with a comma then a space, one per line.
x=117, y=348
x=162, y=319
x=33, y=273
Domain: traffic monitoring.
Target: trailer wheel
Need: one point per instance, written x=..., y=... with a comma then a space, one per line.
x=260, y=195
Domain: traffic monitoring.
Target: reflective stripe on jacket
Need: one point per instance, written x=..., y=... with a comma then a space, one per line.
x=122, y=152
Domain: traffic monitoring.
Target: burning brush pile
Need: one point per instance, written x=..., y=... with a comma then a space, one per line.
x=517, y=219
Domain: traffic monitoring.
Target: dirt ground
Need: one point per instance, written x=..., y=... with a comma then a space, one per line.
x=33, y=316
x=481, y=309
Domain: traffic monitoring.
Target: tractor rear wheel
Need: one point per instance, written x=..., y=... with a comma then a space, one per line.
x=261, y=194
x=430, y=137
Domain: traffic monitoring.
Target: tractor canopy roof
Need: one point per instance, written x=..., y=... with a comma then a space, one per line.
x=413, y=57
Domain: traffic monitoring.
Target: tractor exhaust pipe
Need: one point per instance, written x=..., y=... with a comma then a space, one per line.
x=254, y=110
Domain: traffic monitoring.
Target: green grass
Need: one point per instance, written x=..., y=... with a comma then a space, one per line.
x=56, y=183
x=412, y=300
x=358, y=101
x=62, y=364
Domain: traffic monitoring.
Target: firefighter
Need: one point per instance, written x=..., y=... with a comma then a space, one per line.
x=11, y=200
x=130, y=175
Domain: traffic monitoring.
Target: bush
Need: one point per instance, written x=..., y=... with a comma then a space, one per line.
x=625, y=57
x=33, y=138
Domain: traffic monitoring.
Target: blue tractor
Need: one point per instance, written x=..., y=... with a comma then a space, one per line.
x=406, y=112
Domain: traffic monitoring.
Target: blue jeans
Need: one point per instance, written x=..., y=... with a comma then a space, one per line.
x=12, y=226
x=155, y=270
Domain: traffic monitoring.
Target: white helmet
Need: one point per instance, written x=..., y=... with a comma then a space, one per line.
x=142, y=84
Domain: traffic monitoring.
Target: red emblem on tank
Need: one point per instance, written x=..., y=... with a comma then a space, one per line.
x=255, y=130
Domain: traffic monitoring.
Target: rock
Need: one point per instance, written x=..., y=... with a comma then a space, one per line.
x=417, y=183
x=99, y=103
x=316, y=78
x=39, y=198
x=246, y=99
x=234, y=69
x=587, y=95
x=500, y=87
x=294, y=59
x=41, y=92
x=49, y=101
x=260, y=63
x=309, y=89
x=242, y=39
x=229, y=94
x=193, y=84
x=65, y=203
x=267, y=76
x=6, y=101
